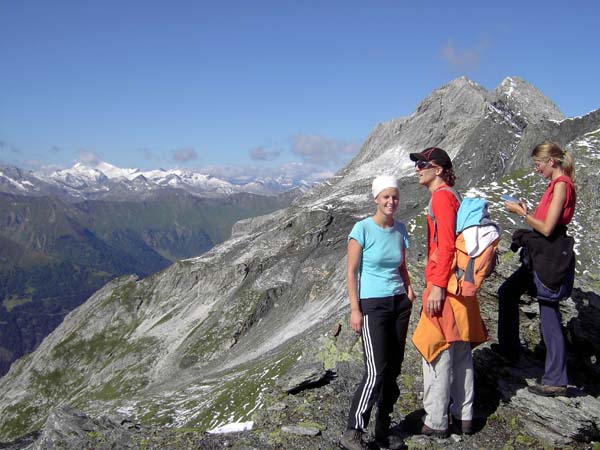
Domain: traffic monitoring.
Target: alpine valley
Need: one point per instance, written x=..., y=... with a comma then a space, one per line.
x=252, y=335
x=64, y=235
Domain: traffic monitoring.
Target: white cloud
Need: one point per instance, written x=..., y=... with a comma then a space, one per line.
x=185, y=155
x=322, y=151
x=88, y=158
x=7, y=147
x=150, y=155
x=294, y=170
x=319, y=156
x=463, y=58
x=262, y=153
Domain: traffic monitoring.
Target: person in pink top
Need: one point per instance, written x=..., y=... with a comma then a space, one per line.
x=550, y=219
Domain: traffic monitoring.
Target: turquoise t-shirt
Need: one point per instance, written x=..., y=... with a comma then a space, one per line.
x=379, y=274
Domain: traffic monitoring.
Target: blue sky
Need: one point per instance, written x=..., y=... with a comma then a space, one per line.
x=273, y=87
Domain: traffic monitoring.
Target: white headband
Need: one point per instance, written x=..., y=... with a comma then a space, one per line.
x=382, y=182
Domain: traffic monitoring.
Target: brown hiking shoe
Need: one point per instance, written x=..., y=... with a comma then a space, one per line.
x=548, y=391
x=425, y=430
x=352, y=440
x=462, y=426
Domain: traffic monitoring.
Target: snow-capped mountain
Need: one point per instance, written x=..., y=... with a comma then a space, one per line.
x=106, y=181
x=20, y=182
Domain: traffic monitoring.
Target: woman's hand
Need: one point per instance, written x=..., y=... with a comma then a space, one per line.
x=410, y=294
x=356, y=320
x=516, y=208
x=435, y=301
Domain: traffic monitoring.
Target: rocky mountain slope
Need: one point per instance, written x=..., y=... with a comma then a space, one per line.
x=255, y=329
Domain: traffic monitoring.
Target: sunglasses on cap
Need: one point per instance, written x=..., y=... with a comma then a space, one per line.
x=422, y=165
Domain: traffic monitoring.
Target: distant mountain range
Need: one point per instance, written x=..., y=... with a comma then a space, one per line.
x=104, y=181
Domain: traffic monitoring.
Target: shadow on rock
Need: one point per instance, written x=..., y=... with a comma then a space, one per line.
x=583, y=342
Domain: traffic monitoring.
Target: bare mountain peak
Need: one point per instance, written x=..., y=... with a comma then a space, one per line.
x=458, y=92
x=464, y=83
x=441, y=119
x=527, y=99
x=464, y=118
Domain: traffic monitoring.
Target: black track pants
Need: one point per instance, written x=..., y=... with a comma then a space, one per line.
x=385, y=324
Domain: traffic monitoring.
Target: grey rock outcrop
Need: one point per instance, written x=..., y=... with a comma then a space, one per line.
x=560, y=420
x=300, y=431
x=302, y=376
x=67, y=428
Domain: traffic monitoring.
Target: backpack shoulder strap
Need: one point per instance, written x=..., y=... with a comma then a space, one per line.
x=430, y=209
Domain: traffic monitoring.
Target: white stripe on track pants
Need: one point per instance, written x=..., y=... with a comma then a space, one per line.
x=385, y=325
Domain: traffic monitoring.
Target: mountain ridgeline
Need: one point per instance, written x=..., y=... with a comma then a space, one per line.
x=98, y=180
x=54, y=253
x=216, y=338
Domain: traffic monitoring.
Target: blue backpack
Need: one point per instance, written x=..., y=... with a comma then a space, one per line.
x=468, y=272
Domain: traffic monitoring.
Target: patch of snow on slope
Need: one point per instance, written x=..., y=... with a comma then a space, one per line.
x=235, y=427
x=506, y=117
x=14, y=182
x=394, y=161
x=508, y=84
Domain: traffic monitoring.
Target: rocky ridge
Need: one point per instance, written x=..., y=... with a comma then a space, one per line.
x=202, y=343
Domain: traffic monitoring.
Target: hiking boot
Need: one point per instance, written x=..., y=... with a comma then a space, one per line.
x=548, y=391
x=384, y=437
x=426, y=431
x=389, y=441
x=351, y=440
x=462, y=426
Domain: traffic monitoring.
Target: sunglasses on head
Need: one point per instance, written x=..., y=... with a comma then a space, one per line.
x=423, y=165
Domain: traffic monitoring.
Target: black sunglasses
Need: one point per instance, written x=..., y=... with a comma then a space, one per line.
x=421, y=165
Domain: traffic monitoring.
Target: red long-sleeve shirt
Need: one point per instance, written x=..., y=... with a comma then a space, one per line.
x=440, y=243
x=460, y=319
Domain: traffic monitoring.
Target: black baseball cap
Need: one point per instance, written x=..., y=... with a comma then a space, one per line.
x=433, y=154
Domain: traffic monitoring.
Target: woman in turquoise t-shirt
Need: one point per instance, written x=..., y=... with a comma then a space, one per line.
x=380, y=304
